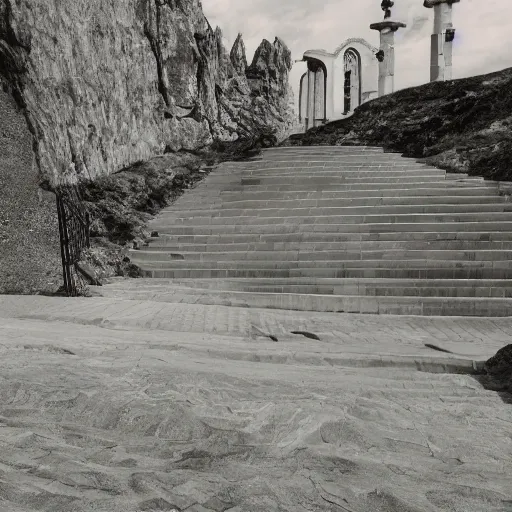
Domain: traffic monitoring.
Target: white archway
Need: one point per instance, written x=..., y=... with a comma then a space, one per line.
x=352, y=76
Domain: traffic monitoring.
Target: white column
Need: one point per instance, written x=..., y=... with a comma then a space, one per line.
x=441, y=49
x=387, y=66
x=310, y=120
x=387, y=29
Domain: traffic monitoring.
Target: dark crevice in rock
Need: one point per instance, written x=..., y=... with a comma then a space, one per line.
x=435, y=347
x=307, y=335
x=14, y=53
x=154, y=42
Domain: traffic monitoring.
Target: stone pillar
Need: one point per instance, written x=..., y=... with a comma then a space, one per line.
x=319, y=97
x=315, y=113
x=441, y=39
x=310, y=112
x=386, y=55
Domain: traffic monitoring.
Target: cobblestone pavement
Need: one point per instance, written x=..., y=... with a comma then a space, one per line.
x=128, y=405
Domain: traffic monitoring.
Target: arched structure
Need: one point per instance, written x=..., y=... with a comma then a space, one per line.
x=313, y=94
x=303, y=98
x=350, y=76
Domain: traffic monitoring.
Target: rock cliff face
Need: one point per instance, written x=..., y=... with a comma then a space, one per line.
x=104, y=84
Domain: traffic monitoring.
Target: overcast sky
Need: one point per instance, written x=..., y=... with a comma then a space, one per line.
x=483, y=40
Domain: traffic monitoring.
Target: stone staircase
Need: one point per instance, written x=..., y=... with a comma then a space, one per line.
x=340, y=229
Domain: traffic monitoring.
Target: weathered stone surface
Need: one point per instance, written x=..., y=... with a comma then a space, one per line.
x=106, y=84
x=179, y=406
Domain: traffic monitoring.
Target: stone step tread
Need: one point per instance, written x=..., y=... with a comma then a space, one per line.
x=314, y=240
x=291, y=188
x=353, y=219
x=330, y=168
x=418, y=288
x=413, y=263
x=450, y=186
x=324, y=147
x=196, y=291
x=320, y=183
x=333, y=229
x=377, y=283
x=461, y=306
x=329, y=210
x=338, y=198
x=444, y=188
x=333, y=170
x=332, y=254
x=356, y=177
x=343, y=201
x=374, y=273
x=294, y=176
x=270, y=248
x=483, y=292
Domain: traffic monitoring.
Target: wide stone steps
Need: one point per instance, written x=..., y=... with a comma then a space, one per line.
x=165, y=240
x=333, y=229
x=329, y=178
x=325, y=228
x=419, y=272
x=395, y=305
x=469, y=201
x=312, y=183
x=438, y=190
x=405, y=262
x=348, y=190
x=339, y=220
x=321, y=255
x=320, y=211
x=431, y=306
x=373, y=287
x=351, y=246
x=351, y=169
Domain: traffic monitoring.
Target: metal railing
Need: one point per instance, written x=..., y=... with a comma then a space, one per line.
x=74, y=226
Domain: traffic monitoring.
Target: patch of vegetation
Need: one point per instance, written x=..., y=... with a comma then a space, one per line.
x=122, y=203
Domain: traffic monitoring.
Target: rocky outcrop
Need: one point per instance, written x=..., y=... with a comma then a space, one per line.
x=498, y=370
x=92, y=87
x=238, y=56
x=106, y=84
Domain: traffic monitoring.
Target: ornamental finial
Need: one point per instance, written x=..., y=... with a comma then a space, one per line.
x=386, y=6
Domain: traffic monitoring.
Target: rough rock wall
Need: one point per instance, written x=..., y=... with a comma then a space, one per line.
x=104, y=84
x=29, y=233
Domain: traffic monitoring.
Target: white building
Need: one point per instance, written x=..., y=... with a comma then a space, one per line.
x=337, y=83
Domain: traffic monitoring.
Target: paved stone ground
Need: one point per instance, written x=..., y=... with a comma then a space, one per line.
x=129, y=406
x=473, y=338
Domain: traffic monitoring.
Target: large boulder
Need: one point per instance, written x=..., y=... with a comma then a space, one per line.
x=498, y=370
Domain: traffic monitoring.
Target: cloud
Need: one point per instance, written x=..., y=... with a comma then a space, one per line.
x=482, y=43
